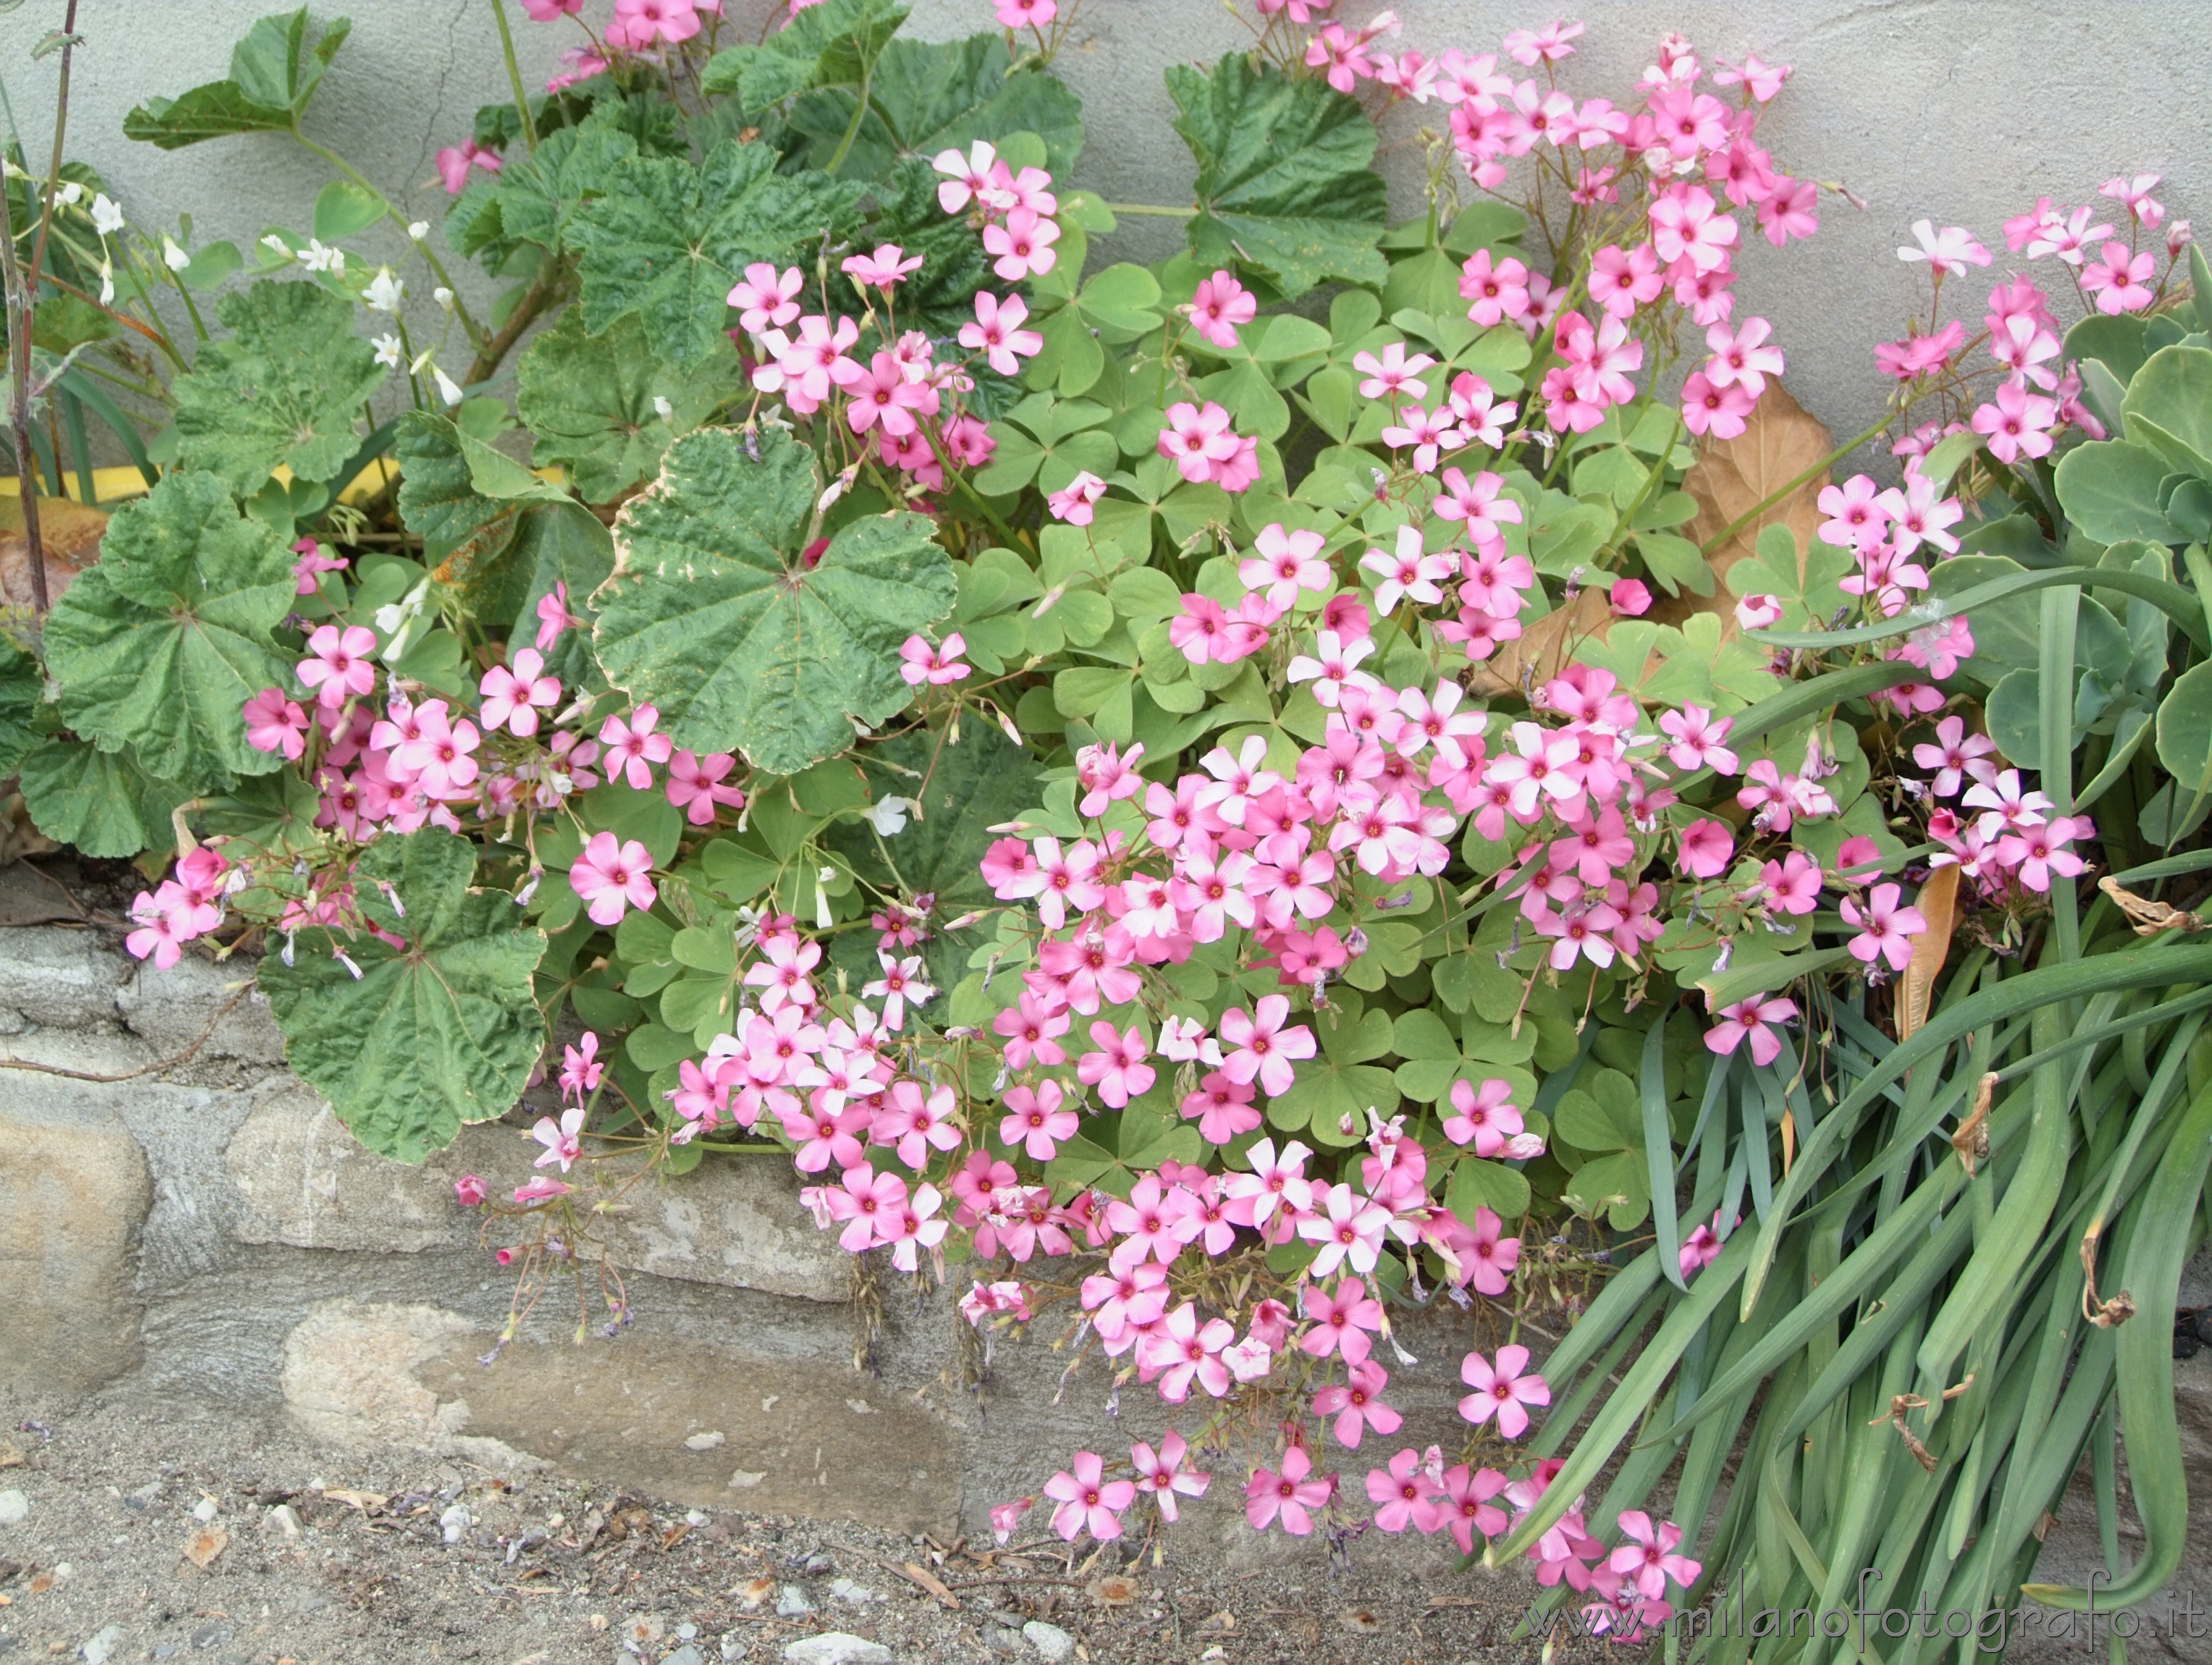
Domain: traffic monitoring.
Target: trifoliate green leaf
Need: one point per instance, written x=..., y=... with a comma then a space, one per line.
x=1284, y=188
x=443, y=1030
x=101, y=803
x=20, y=685
x=160, y=645
x=670, y=238
x=594, y=402
x=273, y=74
x=288, y=388
x=930, y=96
x=716, y=614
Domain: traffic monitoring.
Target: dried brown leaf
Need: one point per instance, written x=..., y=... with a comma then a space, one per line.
x=1113, y=1589
x=1780, y=441
x=1544, y=650
x=364, y=1501
x=1938, y=903
x=928, y=1581
x=203, y=1546
x=68, y=535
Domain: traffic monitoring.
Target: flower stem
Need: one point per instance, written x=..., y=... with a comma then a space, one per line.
x=853, y=127
x=514, y=77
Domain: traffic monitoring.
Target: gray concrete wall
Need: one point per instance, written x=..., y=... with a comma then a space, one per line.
x=1965, y=111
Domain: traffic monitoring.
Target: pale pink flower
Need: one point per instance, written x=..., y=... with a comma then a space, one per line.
x=1261, y=1048
x=1088, y=1500
x=512, y=696
x=1021, y=248
x=563, y=1139
x=339, y=665
x=1951, y=249
x=695, y=786
x=274, y=724
x=1290, y=1495
x=1217, y=307
x=1487, y=1115
x=581, y=1068
x=1164, y=1475
x=612, y=876
x=1076, y=501
x=1117, y=1069
x=997, y=332
x=767, y=299
x=1502, y=1391
x=1751, y=1020
x=1648, y=1557
x=1032, y=14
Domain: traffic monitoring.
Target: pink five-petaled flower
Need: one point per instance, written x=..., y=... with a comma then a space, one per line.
x=1404, y=1492
x=1342, y=1318
x=1036, y=1120
x=338, y=667
x=1955, y=755
x=274, y=724
x=1262, y=1049
x=695, y=786
x=1286, y=562
x=1951, y=249
x=1118, y=1069
x=766, y=298
x=884, y=269
x=1076, y=501
x=1649, y=1557
x=1705, y=849
x=581, y=1068
x=455, y=160
x=513, y=696
x=167, y=920
x=612, y=877
x=1885, y=929
x=1088, y=1500
x=2016, y=423
x=1350, y=1229
x=1021, y=248
x=638, y=23
x=563, y=1139
x=1290, y=1496
x=469, y=1191
x=1036, y=13
x=1757, y=612
x=1487, y=1115
x=553, y=615
x=1216, y=307
x=1699, y=1250
x=633, y=748
x=997, y=332
x=919, y=663
x=1357, y=1405
x=1502, y=1390
x=1751, y=1018
x=1162, y=1474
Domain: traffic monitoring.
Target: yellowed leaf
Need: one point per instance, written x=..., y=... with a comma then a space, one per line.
x=68, y=536
x=1545, y=649
x=1938, y=903
x=1779, y=442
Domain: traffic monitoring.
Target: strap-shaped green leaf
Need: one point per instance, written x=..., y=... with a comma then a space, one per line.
x=159, y=645
x=442, y=1030
x=288, y=387
x=716, y=615
x=1284, y=187
x=670, y=238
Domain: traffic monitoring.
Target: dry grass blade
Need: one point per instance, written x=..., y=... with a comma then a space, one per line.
x=1938, y=903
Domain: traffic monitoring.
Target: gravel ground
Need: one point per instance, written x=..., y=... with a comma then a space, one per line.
x=133, y=1531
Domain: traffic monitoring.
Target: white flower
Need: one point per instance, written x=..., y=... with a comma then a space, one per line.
x=418, y=229
x=387, y=351
x=107, y=218
x=384, y=291
x=449, y=388
x=887, y=815
x=400, y=620
x=443, y=296
x=662, y=408
x=318, y=258
x=172, y=257
x=277, y=246
x=69, y=194
x=106, y=281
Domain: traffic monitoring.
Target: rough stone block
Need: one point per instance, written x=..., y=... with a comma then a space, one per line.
x=59, y=979
x=303, y=1181
x=171, y=1009
x=74, y=1190
x=797, y=1435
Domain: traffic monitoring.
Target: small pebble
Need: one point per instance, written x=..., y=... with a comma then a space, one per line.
x=455, y=1522
x=706, y=1442
x=205, y=1510
x=688, y=1654
x=15, y=1508
x=837, y=1648
x=101, y=1645
x=791, y=1603
x=1050, y=1641
x=857, y=1595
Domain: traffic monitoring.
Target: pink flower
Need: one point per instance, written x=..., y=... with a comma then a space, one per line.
x=563, y=1139
x=454, y=162
x=1758, y=612
x=1885, y=929
x=1403, y=1492
x=312, y=562
x=1699, y=1250
x=1023, y=247
x=884, y=269
x=274, y=724
x=1030, y=1030
x=513, y=696
x=1118, y=1069
x=545, y=11
x=581, y=1068
x=1074, y=502
x=1197, y=441
x=633, y=748
x=1005, y=1517
x=1163, y=1474
x=1649, y=1556
x=1288, y=1495
x=1750, y=1018
x=1263, y=1049
x=1184, y=1351
x=1087, y=1499
x=1629, y=598
x=167, y=920
x=1034, y=1119
x=1350, y=1229
x=919, y=663
x=339, y=665
x=997, y=332
x=1033, y=14
x=695, y=786
x=1342, y=1319
x=1713, y=411
x=2016, y=423
x=1392, y=373
x=1358, y=1405
x=1546, y=46
x=1487, y=1115
x=1951, y=249
x=638, y=23
x=469, y=1191
x=766, y=300
x=1216, y=307
x=1793, y=882
x=1705, y=847
x=553, y=615
x=543, y=1189
x=1492, y=1254
x=1502, y=1391
x=612, y=877
x=1497, y=291
x=1284, y=563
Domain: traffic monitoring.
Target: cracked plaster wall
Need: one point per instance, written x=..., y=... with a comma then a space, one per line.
x=1961, y=110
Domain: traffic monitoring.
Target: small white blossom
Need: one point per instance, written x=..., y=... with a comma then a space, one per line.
x=449, y=388
x=107, y=283
x=887, y=815
x=443, y=296
x=384, y=291
x=107, y=218
x=418, y=229
x=172, y=257
x=316, y=257
x=387, y=351
x=277, y=246
x=68, y=193
x=662, y=408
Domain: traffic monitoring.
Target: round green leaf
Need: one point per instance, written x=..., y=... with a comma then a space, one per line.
x=441, y=1031
x=2109, y=487
x=2185, y=733
x=102, y=803
x=2169, y=407
x=715, y=615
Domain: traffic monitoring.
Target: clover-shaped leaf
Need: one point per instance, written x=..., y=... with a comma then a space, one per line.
x=1284, y=188
x=440, y=1031
x=159, y=645
x=595, y=403
x=670, y=237
x=720, y=614
x=287, y=388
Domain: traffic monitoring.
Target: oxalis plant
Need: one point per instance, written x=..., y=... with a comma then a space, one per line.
x=1207, y=805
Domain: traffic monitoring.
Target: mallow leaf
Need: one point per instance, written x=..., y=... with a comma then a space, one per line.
x=670, y=238
x=1284, y=183
x=288, y=388
x=160, y=644
x=716, y=614
x=441, y=1031
x=594, y=402
x=20, y=685
x=531, y=198
x=929, y=96
x=101, y=803
x=830, y=43
x=273, y=74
